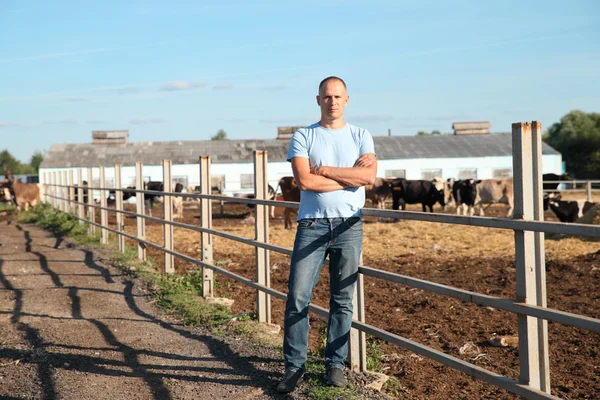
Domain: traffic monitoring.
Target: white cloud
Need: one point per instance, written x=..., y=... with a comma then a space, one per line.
x=181, y=85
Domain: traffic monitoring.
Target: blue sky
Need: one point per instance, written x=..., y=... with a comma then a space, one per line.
x=183, y=70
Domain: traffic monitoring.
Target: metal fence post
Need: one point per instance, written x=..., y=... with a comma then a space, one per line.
x=59, y=190
x=71, y=191
x=206, y=223
x=525, y=255
x=103, y=204
x=357, y=346
x=119, y=207
x=139, y=209
x=43, y=186
x=168, y=216
x=80, y=199
x=263, y=276
x=540, y=255
x=91, y=210
x=588, y=186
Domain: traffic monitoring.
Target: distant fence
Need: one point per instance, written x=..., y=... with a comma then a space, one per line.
x=588, y=186
x=529, y=303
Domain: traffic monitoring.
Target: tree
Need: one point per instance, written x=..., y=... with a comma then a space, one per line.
x=9, y=163
x=577, y=138
x=434, y=132
x=36, y=160
x=220, y=135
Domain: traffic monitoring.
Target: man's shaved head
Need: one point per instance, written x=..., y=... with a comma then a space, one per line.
x=331, y=78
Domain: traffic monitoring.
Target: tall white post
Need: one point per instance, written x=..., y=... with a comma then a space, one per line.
x=168, y=216
x=103, y=204
x=525, y=255
x=80, y=197
x=263, y=276
x=139, y=209
x=206, y=222
x=119, y=207
x=91, y=209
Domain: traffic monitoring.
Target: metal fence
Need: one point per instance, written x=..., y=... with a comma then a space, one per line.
x=527, y=223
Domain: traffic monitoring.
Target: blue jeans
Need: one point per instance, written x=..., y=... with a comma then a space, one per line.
x=341, y=239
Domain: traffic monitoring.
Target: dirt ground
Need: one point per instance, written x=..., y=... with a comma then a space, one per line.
x=74, y=327
x=472, y=258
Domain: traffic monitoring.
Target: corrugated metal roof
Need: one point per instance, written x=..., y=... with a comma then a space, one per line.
x=235, y=151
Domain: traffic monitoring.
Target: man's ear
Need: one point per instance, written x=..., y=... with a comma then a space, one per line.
x=318, y=100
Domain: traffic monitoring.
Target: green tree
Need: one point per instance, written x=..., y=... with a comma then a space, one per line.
x=577, y=138
x=36, y=160
x=9, y=163
x=434, y=132
x=220, y=135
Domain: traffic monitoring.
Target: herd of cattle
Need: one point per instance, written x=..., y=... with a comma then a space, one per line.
x=466, y=195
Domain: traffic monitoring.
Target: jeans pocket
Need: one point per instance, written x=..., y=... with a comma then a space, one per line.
x=306, y=223
x=354, y=223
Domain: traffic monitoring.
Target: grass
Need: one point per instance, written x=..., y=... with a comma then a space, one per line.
x=7, y=207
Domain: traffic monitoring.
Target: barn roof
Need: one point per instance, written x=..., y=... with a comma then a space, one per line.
x=236, y=151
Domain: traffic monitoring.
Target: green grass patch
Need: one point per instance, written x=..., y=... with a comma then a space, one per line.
x=318, y=389
x=7, y=207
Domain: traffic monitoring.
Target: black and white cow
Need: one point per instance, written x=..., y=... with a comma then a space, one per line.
x=568, y=211
x=464, y=193
x=417, y=191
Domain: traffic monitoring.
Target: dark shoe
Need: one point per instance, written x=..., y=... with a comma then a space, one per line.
x=289, y=380
x=335, y=377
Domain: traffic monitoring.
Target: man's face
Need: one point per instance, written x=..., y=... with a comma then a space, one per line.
x=332, y=99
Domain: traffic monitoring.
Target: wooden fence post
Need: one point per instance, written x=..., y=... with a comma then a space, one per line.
x=91, y=210
x=263, y=276
x=65, y=192
x=540, y=255
x=139, y=209
x=206, y=222
x=119, y=207
x=80, y=209
x=525, y=255
x=71, y=191
x=103, y=204
x=168, y=216
x=357, y=346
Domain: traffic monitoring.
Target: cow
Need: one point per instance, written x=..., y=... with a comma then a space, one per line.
x=379, y=192
x=495, y=191
x=417, y=191
x=151, y=198
x=6, y=195
x=464, y=193
x=290, y=192
x=85, y=193
x=568, y=211
x=26, y=194
x=554, y=177
x=270, y=196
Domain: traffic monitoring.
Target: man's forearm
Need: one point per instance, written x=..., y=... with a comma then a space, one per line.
x=320, y=184
x=349, y=177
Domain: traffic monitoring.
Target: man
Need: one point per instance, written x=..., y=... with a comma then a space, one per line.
x=331, y=161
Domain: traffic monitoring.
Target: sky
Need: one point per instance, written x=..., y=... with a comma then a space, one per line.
x=183, y=70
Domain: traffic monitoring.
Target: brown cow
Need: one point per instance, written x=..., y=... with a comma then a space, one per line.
x=26, y=194
x=495, y=191
x=290, y=192
x=379, y=192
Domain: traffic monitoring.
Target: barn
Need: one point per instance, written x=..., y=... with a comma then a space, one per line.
x=459, y=155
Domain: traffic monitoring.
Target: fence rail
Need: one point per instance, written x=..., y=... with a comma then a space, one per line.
x=529, y=303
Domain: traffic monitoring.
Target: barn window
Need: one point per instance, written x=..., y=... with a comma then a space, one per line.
x=467, y=173
x=395, y=173
x=247, y=181
x=502, y=173
x=429, y=174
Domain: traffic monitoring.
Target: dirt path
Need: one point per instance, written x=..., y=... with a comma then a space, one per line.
x=73, y=327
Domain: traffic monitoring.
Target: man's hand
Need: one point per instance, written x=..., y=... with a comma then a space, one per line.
x=365, y=160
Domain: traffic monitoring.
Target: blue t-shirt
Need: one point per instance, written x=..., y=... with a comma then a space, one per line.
x=334, y=148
